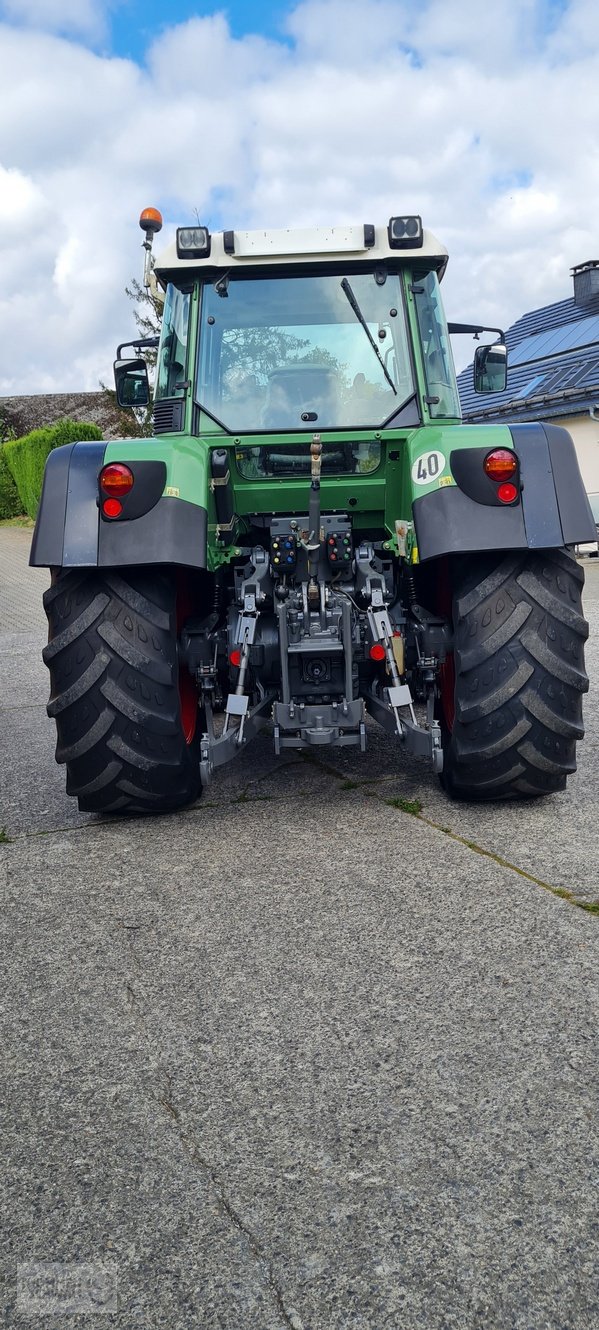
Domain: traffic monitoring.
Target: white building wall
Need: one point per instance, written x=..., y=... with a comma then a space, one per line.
x=585, y=433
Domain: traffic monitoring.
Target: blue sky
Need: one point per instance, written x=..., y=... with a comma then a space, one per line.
x=135, y=23
x=482, y=117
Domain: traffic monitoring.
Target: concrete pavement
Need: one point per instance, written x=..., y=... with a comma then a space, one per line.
x=295, y=1057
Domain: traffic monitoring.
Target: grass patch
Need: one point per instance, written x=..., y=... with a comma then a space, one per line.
x=4, y=836
x=412, y=806
x=18, y=521
x=245, y=798
x=349, y=785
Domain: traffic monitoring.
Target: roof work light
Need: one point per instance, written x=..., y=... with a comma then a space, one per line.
x=405, y=233
x=193, y=242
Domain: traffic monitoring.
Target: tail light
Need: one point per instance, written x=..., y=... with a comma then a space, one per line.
x=507, y=493
x=501, y=464
x=116, y=480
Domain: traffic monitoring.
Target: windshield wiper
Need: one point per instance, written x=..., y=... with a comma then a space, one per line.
x=221, y=285
x=347, y=291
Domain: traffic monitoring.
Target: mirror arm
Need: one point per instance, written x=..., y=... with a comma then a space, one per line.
x=474, y=328
x=137, y=345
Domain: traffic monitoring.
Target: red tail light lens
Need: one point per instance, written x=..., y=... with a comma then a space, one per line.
x=235, y=658
x=116, y=480
x=507, y=493
x=112, y=508
x=377, y=651
x=501, y=464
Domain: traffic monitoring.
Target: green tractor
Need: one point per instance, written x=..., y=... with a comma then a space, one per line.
x=311, y=536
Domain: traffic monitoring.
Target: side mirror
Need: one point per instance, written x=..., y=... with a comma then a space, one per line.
x=490, y=368
x=131, y=382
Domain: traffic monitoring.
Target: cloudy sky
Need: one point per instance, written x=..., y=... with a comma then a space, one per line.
x=483, y=117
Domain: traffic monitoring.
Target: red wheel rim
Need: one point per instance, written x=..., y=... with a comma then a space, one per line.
x=188, y=693
x=189, y=704
x=447, y=690
x=447, y=669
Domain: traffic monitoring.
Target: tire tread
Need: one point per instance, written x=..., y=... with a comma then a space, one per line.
x=519, y=637
x=112, y=657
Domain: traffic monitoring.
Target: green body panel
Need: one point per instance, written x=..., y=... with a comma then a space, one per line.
x=444, y=439
x=376, y=502
x=187, y=463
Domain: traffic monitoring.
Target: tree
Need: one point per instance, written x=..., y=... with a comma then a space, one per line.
x=148, y=318
x=147, y=315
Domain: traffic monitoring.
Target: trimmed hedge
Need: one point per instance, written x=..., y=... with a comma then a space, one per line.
x=26, y=457
x=10, y=503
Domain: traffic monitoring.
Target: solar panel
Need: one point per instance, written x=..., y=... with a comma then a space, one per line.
x=560, y=378
x=567, y=376
x=530, y=386
x=582, y=332
x=589, y=373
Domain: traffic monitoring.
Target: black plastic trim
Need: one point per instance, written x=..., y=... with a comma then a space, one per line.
x=468, y=472
x=406, y=417
x=167, y=415
x=80, y=545
x=447, y=521
x=48, y=536
x=229, y=242
x=539, y=499
x=173, y=532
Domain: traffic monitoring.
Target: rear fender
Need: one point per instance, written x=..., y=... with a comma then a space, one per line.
x=157, y=525
x=455, y=508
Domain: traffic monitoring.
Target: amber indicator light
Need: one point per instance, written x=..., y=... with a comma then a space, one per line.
x=116, y=480
x=151, y=220
x=501, y=464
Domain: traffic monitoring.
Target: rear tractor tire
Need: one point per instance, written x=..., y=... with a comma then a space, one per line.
x=128, y=721
x=511, y=694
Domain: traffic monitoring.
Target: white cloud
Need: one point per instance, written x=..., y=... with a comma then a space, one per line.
x=482, y=118
x=83, y=17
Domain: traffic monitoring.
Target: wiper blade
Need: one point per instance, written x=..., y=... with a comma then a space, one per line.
x=347, y=291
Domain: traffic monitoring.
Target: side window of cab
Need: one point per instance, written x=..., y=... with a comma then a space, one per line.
x=172, y=352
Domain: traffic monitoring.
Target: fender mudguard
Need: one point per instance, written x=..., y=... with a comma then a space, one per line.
x=553, y=509
x=71, y=533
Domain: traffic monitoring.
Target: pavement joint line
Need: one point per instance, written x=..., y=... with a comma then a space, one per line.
x=188, y=1140
x=591, y=907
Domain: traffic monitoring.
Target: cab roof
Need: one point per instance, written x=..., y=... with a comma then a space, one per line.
x=308, y=246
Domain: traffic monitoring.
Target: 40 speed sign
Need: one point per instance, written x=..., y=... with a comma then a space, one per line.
x=427, y=468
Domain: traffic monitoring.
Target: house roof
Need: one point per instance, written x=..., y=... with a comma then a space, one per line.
x=553, y=366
